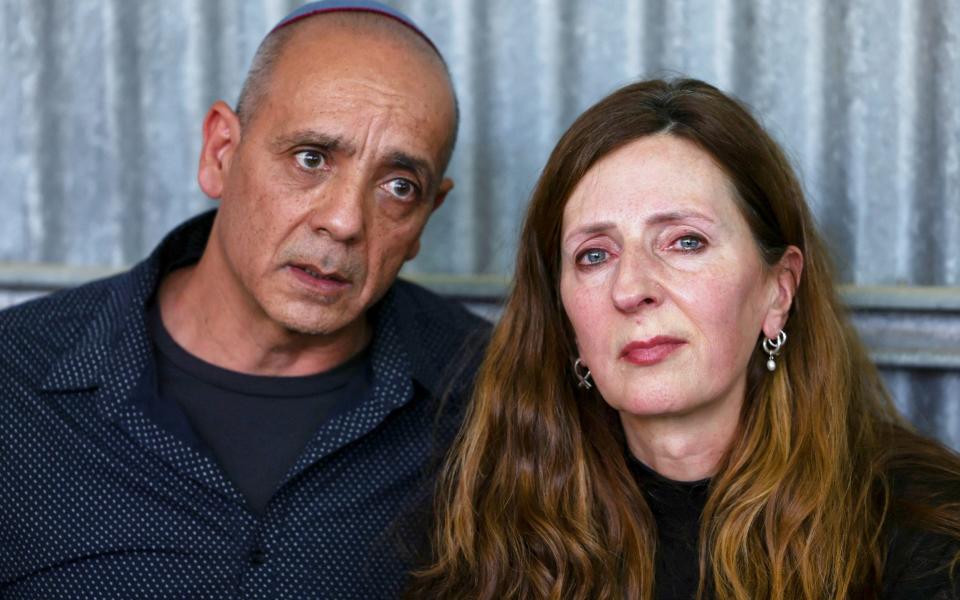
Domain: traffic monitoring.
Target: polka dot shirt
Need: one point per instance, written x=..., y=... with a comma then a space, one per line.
x=98, y=501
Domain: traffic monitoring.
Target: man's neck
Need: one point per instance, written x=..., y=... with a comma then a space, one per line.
x=216, y=327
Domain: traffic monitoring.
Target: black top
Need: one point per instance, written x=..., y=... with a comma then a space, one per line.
x=100, y=499
x=254, y=426
x=676, y=508
x=913, y=571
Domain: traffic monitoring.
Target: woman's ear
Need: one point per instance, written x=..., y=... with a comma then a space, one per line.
x=785, y=279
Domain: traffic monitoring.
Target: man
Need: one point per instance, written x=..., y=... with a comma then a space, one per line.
x=254, y=411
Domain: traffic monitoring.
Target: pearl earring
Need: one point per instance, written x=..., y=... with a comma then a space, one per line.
x=772, y=347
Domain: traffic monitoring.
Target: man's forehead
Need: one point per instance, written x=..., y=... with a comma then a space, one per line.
x=351, y=47
x=341, y=78
x=358, y=82
x=338, y=70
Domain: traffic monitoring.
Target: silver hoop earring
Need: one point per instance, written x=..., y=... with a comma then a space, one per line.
x=772, y=347
x=582, y=378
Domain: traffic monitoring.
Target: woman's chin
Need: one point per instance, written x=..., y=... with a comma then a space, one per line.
x=652, y=407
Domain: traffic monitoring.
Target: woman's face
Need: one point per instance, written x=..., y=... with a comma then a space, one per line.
x=663, y=282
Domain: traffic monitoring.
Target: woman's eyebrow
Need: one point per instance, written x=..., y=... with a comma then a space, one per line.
x=677, y=215
x=590, y=229
x=660, y=218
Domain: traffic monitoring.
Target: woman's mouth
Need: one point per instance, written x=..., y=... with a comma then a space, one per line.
x=650, y=351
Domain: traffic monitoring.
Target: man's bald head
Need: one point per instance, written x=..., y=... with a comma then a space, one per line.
x=257, y=84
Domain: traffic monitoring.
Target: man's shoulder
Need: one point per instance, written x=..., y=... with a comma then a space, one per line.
x=440, y=327
x=45, y=313
x=431, y=310
x=34, y=333
x=444, y=340
x=64, y=305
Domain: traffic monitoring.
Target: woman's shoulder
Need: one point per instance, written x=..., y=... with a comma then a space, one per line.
x=923, y=523
x=920, y=564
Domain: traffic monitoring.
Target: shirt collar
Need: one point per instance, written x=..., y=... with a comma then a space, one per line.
x=116, y=338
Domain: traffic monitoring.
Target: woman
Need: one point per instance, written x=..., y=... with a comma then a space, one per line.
x=673, y=404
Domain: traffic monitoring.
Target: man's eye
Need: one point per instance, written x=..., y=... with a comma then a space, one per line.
x=689, y=243
x=594, y=256
x=403, y=189
x=311, y=160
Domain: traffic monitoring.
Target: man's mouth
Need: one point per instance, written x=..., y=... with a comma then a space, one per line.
x=319, y=275
x=331, y=281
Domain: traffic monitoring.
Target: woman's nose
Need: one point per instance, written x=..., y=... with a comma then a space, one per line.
x=636, y=283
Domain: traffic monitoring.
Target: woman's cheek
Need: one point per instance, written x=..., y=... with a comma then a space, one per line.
x=732, y=320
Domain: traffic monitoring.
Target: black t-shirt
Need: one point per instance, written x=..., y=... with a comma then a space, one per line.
x=254, y=426
x=915, y=566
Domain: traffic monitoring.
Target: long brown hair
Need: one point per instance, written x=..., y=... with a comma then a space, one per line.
x=536, y=500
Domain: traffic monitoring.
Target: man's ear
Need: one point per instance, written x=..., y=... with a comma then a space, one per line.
x=785, y=281
x=221, y=135
x=442, y=190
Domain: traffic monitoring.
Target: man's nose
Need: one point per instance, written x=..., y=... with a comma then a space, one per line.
x=636, y=283
x=339, y=210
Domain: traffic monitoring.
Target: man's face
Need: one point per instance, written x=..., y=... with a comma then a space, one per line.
x=333, y=179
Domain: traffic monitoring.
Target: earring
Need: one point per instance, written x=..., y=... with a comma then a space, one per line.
x=772, y=347
x=583, y=378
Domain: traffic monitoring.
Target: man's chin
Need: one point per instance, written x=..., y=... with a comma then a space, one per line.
x=342, y=316
x=312, y=330
x=300, y=323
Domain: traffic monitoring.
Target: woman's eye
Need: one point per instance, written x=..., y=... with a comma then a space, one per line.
x=311, y=160
x=689, y=243
x=402, y=189
x=594, y=256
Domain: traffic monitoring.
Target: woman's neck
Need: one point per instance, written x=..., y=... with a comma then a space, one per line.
x=683, y=447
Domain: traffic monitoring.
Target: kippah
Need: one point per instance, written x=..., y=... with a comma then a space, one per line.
x=368, y=6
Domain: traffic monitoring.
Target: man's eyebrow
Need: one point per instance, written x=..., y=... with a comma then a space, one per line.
x=420, y=166
x=310, y=137
x=331, y=143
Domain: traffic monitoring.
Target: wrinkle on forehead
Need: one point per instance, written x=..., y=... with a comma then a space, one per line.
x=360, y=120
x=332, y=60
x=353, y=90
x=376, y=101
x=653, y=177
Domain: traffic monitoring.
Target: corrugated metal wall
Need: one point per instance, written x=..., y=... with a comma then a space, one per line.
x=101, y=105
